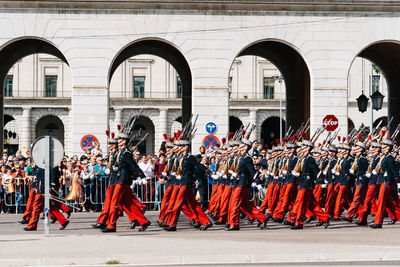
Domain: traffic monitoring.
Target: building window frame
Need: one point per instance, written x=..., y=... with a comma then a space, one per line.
x=139, y=84
x=179, y=88
x=50, y=83
x=8, y=86
x=268, y=88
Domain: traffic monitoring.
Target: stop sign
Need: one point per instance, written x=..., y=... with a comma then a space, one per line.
x=330, y=122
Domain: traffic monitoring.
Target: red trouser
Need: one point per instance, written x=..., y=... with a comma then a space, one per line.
x=319, y=194
x=331, y=194
x=280, y=199
x=122, y=197
x=369, y=202
x=358, y=200
x=217, y=201
x=29, y=205
x=171, y=203
x=194, y=205
x=305, y=200
x=274, y=199
x=288, y=198
x=240, y=199
x=341, y=201
x=267, y=197
x=38, y=205
x=164, y=202
x=224, y=205
x=182, y=200
x=102, y=219
x=386, y=202
x=212, y=198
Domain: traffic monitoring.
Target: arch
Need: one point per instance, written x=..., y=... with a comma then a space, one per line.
x=378, y=120
x=50, y=125
x=234, y=124
x=7, y=119
x=295, y=71
x=147, y=126
x=16, y=49
x=270, y=130
x=386, y=55
x=169, y=52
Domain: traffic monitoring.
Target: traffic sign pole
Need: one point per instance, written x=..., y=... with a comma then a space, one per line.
x=47, y=170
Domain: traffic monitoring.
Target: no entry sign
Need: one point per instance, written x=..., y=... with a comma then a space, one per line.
x=88, y=141
x=211, y=142
x=330, y=122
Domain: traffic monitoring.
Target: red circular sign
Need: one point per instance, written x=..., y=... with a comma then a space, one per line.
x=88, y=141
x=330, y=122
x=211, y=142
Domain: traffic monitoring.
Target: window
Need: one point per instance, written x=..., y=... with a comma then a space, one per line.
x=375, y=83
x=178, y=87
x=269, y=86
x=138, y=86
x=8, y=85
x=51, y=85
x=230, y=86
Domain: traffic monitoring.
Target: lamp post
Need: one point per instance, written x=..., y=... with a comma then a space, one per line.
x=279, y=79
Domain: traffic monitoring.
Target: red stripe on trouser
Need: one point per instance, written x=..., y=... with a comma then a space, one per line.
x=212, y=197
x=224, y=210
x=280, y=200
x=316, y=209
x=217, y=203
x=358, y=199
x=274, y=199
x=122, y=197
x=171, y=203
x=264, y=204
x=198, y=210
x=234, y=208
x=181, y=199
x=249, y=208
x=107, y=203
x=340, y=200
x=300, y=207
x=333, y=190
x=318, y=193
x=29, y=205
x=369, y=197
x=164, y=202
x=387, y=203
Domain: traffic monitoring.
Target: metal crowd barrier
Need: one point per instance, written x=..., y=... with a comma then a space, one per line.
x=19, y=197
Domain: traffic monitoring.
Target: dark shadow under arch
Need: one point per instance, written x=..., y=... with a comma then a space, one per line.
x=270, y=130
x=295, y=73
x=50, y=125
x=234, y=124
x=168, y=52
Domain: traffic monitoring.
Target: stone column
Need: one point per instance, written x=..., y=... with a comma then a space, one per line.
x=90, y=113
x=253, y=120
x=160, y=128
x=117, y=119
x=212, y=105
x=26, y=128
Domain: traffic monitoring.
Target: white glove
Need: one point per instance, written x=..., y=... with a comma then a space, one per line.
x=296, y=174
x=164, y=174
x=368, y=175
x=253, y=184
x=215, y=177
x=259, y=187
x=107, y=171
x=323, y=185
x=230, y=172
x=234, y=174
x=374, y=172
x=224, y=176
x=324, y=172
x=268, y=173
x=326, y=181
x=219, y=174
x=178, y=177
x=173, y=173
x=197, y=184
x=284, y=172
x=144, y=181
x=351, y=171
x=115, y=169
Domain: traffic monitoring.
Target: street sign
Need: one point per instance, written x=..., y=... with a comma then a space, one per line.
x=47, y=152
x=211, y=128
x=88, y=141
x=211, y=142
x=330, y=122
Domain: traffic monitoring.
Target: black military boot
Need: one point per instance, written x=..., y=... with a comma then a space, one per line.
x=206, y=226
x=64, y=225
x=375, y=226
x=98, y=225
x=144, y=226
x=392, y=222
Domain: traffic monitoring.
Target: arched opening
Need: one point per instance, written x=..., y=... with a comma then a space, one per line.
x=10, y=134
x=176, y=125
x=284, y=76
x=146, y=125
x=171, y=54
x=50, y=125
x=382, y=75
x=17, y=49
x=234, y=124
x=382, y=121
x=350, y=125
x=270, y=130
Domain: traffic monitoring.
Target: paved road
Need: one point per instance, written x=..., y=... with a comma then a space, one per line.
x=79, y=244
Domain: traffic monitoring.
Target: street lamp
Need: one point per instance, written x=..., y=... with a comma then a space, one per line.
x=362, y=103
x=377, y=100
x=279, y=79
